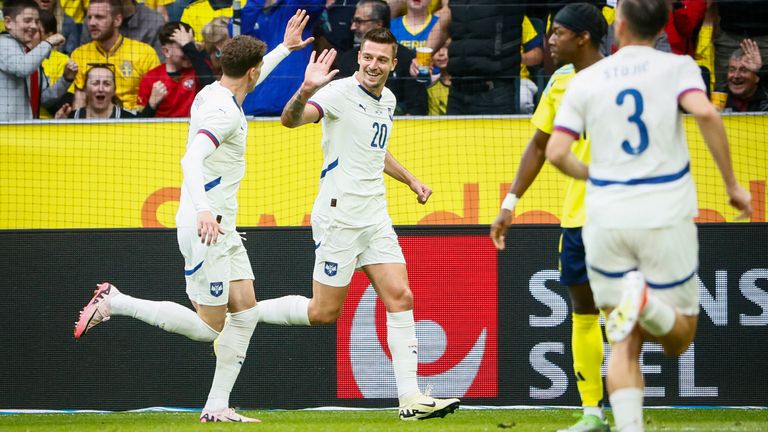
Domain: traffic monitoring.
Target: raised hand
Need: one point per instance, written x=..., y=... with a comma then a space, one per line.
x=752, y=59
x=294, y=29
x=319, y=71
x=182, y=37
x=70, y=71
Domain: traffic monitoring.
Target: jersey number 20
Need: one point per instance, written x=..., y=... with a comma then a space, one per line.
x=379, y=135
x=636, y=119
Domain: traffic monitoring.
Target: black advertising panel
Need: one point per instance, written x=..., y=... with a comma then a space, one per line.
x=494, y=328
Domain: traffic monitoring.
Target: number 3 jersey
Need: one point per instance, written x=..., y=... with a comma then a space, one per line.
x=627, y=104
x=356, y=130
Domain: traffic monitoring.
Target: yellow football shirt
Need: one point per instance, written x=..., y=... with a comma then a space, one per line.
x=437, y=98
x=53, y=67
x=153, y=4
x=200, y=13
x=543, y=118
x=130, y=58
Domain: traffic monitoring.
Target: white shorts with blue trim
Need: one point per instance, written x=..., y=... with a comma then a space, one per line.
x=340, y=249
x=209, y=269
x=667, y=257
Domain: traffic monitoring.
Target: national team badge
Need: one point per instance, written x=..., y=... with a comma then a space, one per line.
x=126, y=68
x=217, y=288
x=189, y=84
x=331, y=268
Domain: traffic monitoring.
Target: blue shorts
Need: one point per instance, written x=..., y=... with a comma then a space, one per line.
x=573, y=264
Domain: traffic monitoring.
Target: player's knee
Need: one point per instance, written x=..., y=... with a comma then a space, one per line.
x=400, y=300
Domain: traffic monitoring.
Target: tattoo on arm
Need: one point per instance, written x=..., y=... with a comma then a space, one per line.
x=294, y=109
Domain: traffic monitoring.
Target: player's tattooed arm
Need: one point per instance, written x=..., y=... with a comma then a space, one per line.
x=294, y=109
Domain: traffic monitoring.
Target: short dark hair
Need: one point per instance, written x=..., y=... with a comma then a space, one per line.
x=240, y=54
x=15, y=7
x=166, y=31
x=381, y=35
x=645, y=18
x=379, y=10
x=48, y=21
x=584, y=17
x=115, y=6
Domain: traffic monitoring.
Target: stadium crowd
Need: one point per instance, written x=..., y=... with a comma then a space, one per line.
x=473, y=60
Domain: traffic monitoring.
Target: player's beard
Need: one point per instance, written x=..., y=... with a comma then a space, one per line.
x=106, y=34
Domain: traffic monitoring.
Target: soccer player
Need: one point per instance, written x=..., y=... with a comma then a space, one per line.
x=350, y=223
x=575, y=45
x=640, y=238
x=217, y=269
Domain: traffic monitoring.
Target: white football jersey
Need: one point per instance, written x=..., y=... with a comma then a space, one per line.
x=215, y=113
x=627, y=104
x=356, y=130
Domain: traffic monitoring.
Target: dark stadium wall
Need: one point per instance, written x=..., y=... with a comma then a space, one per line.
x=494, y=328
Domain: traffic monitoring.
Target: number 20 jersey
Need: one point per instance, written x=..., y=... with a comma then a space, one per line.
x=628, y=105
x=356, y=130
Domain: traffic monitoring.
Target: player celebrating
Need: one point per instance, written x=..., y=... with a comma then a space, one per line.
x=575, y=42
x=350, y=223
x=640, y=238
x=217, y=269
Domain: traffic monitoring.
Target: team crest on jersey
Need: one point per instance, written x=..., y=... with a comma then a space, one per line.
x=126, y=68
x=189, y=84
x=217, y=288
x=331, y=268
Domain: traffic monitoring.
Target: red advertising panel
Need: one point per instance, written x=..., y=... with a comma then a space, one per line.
x=454, y=283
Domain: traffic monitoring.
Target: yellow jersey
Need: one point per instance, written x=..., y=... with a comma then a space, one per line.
x=543, y=118
x=200, y=13
x=130, y=58
x=53, y=67
x=437, y=98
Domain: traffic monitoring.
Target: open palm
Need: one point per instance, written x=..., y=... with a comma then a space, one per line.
x=294, y=29
x=319, y=71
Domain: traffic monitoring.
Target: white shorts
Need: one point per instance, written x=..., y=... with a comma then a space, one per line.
x=667, y=257
x=209, y=269
x=339, y=250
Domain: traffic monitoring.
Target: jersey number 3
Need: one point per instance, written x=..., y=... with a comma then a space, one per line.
x=636, y=119
x=379, y=135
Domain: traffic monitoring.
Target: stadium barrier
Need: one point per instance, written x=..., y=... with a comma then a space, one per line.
x=493, y=327
x=127, y=174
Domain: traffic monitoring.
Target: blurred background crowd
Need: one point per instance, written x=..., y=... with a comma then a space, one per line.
x=124, y=59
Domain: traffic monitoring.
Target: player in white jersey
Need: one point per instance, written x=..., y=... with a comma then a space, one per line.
x=640, y=239
x=218, y=272
x=350, y=223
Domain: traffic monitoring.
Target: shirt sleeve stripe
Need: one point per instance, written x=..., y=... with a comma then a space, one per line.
x=570, y=132
x=686, y=91
x=210, y=135
x=319, y=108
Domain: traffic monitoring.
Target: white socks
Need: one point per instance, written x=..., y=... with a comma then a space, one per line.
x=401, y=338
x=169, y=316
x=627, y=404
x=657, y=317
x=288, y=310
x=230, y=355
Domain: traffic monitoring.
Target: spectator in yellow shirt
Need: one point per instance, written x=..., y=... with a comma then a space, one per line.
x=131, y=59
x=201, y=12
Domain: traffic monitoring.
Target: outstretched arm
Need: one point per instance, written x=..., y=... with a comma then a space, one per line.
x=394, y=169
x=530, y=165
x=711, y=126
x=292, y=41
x=296, y=112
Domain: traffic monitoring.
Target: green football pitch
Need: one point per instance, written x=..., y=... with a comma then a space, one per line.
x=513, y=420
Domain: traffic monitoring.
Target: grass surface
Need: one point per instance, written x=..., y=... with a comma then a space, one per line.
x=363, y=421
